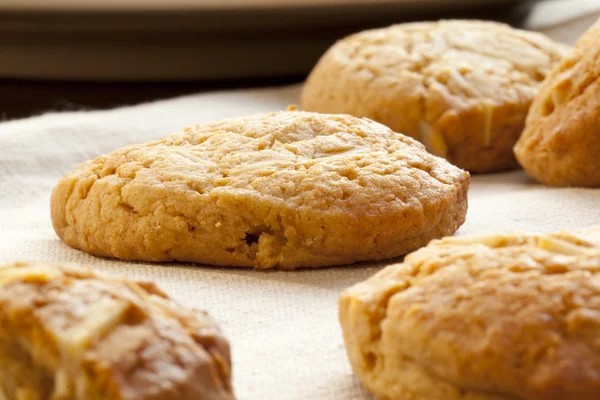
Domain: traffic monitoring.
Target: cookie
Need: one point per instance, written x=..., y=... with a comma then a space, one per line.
x=496, y=317
x=561, y=141
x=68, y=333
x=463, y=88
x=287, y=189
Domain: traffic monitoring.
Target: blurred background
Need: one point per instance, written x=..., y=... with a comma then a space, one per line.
x=90, y=54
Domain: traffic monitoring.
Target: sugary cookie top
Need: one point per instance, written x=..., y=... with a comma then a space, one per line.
x=576, y=74
x=565, y=116
x=469, y=58
x=329, y=163
x=111, y=336
x=516, y=315
x=416, y=77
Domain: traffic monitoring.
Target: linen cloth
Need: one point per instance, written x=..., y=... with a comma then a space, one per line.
x=282, y=326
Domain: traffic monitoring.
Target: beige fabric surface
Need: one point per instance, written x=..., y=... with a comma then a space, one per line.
x=282, y=325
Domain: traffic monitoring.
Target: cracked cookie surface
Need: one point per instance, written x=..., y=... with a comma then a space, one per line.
x=463, y=88
x=288, y=189
x=68, y=333
x=492, y=317
x=561, y=142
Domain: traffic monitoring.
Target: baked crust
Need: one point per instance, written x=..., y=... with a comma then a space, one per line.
x=70, y=334
x=510, y=316
x=288, y=189
x=463, y=88
x=561, y=141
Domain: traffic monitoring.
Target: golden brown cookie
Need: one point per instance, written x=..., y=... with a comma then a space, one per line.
x=493, y=317
x=67, y=333
x=561, y=142
x=463, y=88
x=287, y=189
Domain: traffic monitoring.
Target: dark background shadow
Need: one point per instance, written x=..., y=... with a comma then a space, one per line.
x=291, y=48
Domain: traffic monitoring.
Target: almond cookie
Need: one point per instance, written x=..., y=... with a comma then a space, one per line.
x=288, y=189
x=67, y=333
x=496, y=317
x=561, y=142
x=463, y=88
